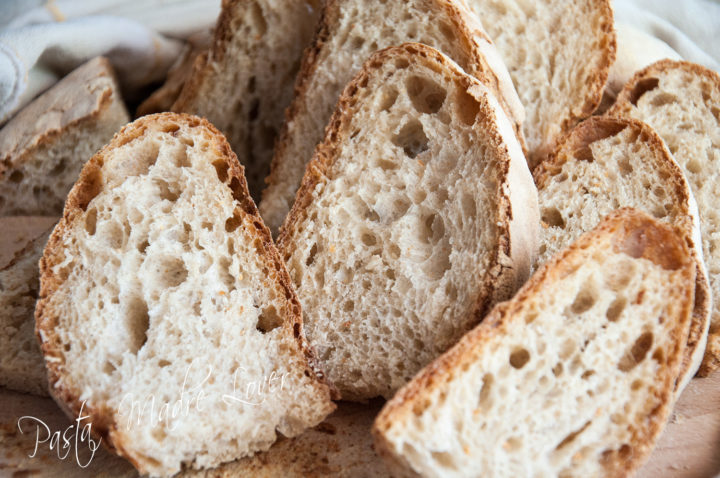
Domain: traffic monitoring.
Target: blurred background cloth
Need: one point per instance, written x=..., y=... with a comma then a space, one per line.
x=41, y=41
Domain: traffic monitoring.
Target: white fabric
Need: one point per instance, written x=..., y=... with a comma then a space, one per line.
x=41, y=45
x=42, y=41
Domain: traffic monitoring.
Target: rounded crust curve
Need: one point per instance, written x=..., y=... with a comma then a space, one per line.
x=86, y=188
x=665, y=249
x=576, y=143
x=511, y=264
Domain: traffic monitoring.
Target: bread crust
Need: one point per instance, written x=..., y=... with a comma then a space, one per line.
x=634, y=88
x=17, y=141
x=576, y=143
x=665, y=249
x=86, y=188
x=516, y=202
x=471, y=35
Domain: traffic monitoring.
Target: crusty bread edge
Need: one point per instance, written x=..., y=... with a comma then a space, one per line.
x=104, y=103
x=622, y=107
x=472, y=345
x=84, y=190
x=471, y=39
x=517, y=208
x=598, y=127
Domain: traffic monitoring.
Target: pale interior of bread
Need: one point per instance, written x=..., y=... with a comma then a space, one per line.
x=390, y=260
x=40, y=181
x=553, y=51
x=684, y=109
x=21, y=363
x=566, y=386
x=167, y=290
x=355, y=33
x=245, y=92
x=619, y=170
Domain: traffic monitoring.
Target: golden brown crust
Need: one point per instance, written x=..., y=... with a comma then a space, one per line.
x=624, y=226
x=576, y=144
x=498, y=282
x=87, y=187
x=18, y=140
x=474, y=64
x=642, y=81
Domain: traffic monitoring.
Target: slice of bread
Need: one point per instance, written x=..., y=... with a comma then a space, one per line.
x=416, y=214
x=558, y=55
x=681, y=101
x=606, y=163
x=21, y=364
x=245, y=81
x=349, y=32
x=163, y=98
x=340, y=447
x=43, y=148
x=572, y=377
x=161, y=285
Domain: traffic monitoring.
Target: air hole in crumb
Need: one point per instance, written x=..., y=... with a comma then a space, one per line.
x=572, y=436
x=557, y=370
x=519, y=358
x=221, y=167
x=233, y=222
x=16, y=176
x=485, y=390
x=163, y=363
x=642, y=87
x=616, y=308
x=170, y=271
x=59, y=167
x=170, y=128
x=412, y=139
x=258, y=19
x=167, y=191
x=138, y=322
x=368, y=239
x=637, y=352
x=311, y=256
x=108, y=368
x=388, y=98
x=584, y=300
x=91, y=221
x=425, y=95
x=254, y=110
x=444, y=459
x=467, y=107
x=357, y=43
x=401, y=63
x=625, y=167
x=553, y=217
x=268, y=320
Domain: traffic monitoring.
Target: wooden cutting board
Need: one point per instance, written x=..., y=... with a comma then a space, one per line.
x=688, y=448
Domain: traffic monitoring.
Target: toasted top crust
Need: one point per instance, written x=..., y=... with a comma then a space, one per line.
x=52, y=274
x=81, y=97
x=626, y=231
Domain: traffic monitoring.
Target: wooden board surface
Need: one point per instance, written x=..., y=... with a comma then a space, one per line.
x=689, y=447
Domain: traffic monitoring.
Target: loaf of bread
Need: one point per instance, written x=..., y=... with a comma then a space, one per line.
x=43, y=148
x=681, y=101
x=161, y=285
x=558, y=54
x=21, y=364
x=416, y=214
x=574, y=376
x=244, y=82
x=606, y=163
x=349, y=32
